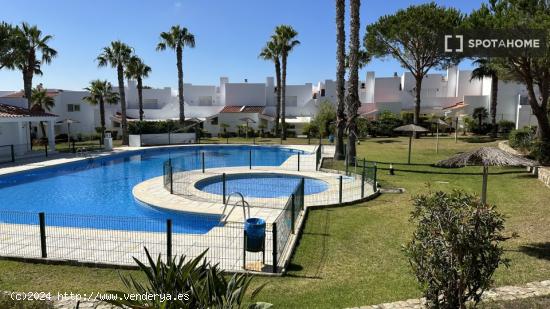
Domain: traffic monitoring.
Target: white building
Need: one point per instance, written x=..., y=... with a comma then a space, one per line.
x=231, y=103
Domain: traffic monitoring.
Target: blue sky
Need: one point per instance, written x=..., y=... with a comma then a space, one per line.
x=229, y=35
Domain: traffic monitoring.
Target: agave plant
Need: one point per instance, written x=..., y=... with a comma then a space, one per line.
x=185, y=283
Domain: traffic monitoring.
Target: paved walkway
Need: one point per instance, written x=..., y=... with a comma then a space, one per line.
x=504, y=293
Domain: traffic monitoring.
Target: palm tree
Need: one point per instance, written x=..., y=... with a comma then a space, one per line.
x=101, y=92
x=31, y=50
x=485, y=69
x=176, y=39
x=272, y=52
x=364, y=58
x=138, y=70
x=41, y=102
x=285, y=37
x=118, y=56
x=7, y=45
x=353, y=102
x=480, y=113
x=340, y=79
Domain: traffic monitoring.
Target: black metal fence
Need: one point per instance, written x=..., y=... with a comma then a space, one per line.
x=116, y=240
x=286, y=223
x=214, y=185
x=15, y=152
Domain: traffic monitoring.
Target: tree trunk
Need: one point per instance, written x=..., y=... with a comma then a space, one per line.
x=418, y=91
x=102, y=117
x=353, y=93
x=140, y=97
x=27, y=86
x=494, y=97
x=283, y=96
x=278, y=108
x=122, y=92
x=340, y=79
x=179, y=55
x=43, y=129
x=539, y=110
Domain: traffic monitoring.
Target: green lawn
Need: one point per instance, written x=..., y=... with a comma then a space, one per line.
x=351, y=256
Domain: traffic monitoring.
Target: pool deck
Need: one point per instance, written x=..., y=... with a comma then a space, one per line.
x=62, y=158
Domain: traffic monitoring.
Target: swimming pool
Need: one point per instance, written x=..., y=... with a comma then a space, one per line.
x=262, y=185
x=102, y=187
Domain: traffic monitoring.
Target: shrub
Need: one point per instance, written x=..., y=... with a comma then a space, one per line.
x=311, y=129
x=192, y=283
x=387, y=121
x=455, y=248
x=540, y=151
x=407, y=117
x=158, y=127
x=522, y=139
x=506, y=126
x=362, y=127
x=325, y=117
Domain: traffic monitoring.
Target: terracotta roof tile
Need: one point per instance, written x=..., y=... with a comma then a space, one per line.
x=10, y=111
x=243, y=109
x=21, y=94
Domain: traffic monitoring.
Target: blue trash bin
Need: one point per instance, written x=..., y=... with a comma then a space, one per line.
x=331, y=138
x=255, y=234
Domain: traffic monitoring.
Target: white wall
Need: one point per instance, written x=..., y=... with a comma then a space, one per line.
x=239, y=94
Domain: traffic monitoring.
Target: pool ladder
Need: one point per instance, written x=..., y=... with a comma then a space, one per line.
x=242, y=203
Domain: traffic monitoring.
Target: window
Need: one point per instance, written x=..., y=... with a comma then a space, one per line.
x=322, y=92
x=205, y=100
x=291, y=101
x=214, y=121
x=73, y=107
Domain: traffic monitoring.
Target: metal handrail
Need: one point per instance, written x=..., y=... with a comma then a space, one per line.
x=82, y=152
x=243, y=203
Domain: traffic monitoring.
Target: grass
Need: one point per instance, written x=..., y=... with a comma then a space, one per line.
x=90, y=145
x=352, y=256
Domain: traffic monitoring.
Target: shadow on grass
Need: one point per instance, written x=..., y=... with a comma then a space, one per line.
x=477, y=139
x=452, y=173
x=386, y=141
x=539, y=250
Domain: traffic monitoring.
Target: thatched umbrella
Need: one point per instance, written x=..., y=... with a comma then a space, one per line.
x=68, y=121
x=413, y=129
x=438, y=122
x=247, y=120
x=486, y=156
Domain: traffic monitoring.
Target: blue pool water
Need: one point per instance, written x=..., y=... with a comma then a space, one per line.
x=268, y=185
x=89, y=193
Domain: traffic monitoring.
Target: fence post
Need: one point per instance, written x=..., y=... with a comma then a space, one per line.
x=363, y=180
x=169, y=138
x=374, y=181
x=12, y=153
x=250, y=159
x=274, y=228
x=223, y=187
x=168, y=241
x=74, y=146
x=42, y=220
x=202, y=154
x=292, y=212
x=171, y=179
x=303, y=194
x=298, y=161
x=340, y=191
x=46, y=149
